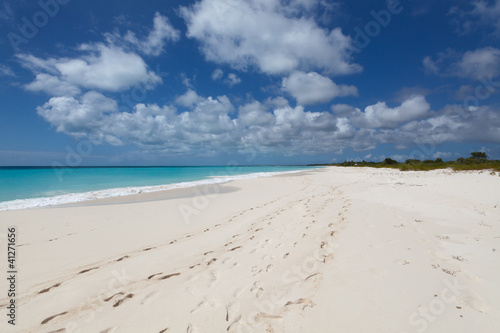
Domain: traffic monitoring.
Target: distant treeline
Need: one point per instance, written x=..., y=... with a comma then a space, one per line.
x=477, y=161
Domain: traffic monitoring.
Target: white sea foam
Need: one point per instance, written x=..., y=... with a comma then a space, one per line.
x=118, y=192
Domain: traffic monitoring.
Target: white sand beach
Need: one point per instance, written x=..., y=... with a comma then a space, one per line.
x=330, y=250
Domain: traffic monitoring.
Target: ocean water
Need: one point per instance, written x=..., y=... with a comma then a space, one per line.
x=29, y=187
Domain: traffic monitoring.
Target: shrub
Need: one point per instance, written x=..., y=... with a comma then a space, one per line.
x=479, y=155
x=390, y=161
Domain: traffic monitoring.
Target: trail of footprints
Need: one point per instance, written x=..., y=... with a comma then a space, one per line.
x=257, y=239
x=259, y=243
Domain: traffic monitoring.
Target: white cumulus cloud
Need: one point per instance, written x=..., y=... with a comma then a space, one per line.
x=213, y=125
x=313, y=88
x=380, y=115
x=484, y=62
x=52, y=85
x=112, y=66
x=154, y=44
x=100, y=66
x=259, y=33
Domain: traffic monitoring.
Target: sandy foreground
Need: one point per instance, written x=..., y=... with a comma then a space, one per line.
x=332, y=250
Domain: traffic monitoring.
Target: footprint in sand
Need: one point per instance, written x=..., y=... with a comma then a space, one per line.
x=238, y=292
x=45, y=321
x=214, y=278
x=200, y=306
x=257, y=289
x=88, y=270
x=152, y=276
x=150, y=297
x=191, y=329
x=48, y=289
x=231, y=310
x=208, y=300
x=120, y=301
x=111, y=297
x=109, y=330
x=169, y=276
x=236, y=325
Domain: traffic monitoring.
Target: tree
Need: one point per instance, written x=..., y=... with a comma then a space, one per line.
x=479, y=155
x=390, y=161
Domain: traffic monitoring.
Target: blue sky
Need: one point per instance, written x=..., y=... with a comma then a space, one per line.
x=212, y=82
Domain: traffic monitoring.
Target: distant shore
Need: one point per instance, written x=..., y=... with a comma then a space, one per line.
x=327, y=250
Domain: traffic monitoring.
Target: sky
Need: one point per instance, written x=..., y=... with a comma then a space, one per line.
x=245, y=82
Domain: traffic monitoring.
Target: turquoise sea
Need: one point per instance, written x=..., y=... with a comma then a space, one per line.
x=27, y=187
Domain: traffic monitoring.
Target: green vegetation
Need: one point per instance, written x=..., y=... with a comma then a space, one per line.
x=477, y=161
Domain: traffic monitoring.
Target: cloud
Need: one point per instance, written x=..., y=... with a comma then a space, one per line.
x=113, y=66
x=479, y=63
x=254, y=115
x=454, y=124
x=6, y=71
x=483, y=14
x=205, y=125
x=102, y=67
x=154, y=44
x=77, y=117
x=6, y=12
x=188, y=99
x=231, y=79
x=52, y=85
x=217, y=74
x=488, y=13
x=278, y=44
x=379, y=115
x=430, y=66
x=208, y=124
x=484, y=62
x=313, y=88
x=408, y=92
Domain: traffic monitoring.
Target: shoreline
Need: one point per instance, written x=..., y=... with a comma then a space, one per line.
x=74, y=198
x=333, y=249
